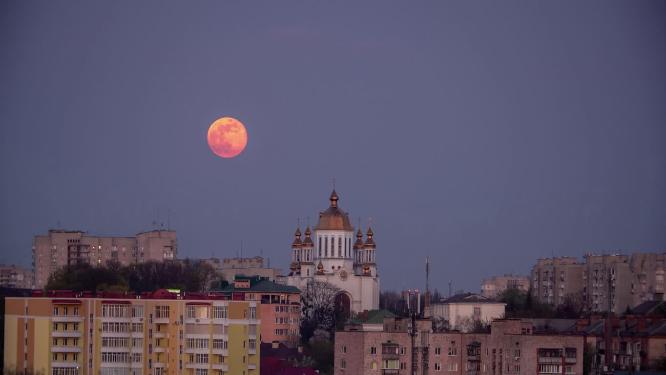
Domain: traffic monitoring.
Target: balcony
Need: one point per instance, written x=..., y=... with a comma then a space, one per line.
x=390, y=371
x=252, y=351
x=251, y=367
x=197, y=351
x=66, y=319
x=124, y=349
x=160, y=335
x=220, y=366
x=197, y=321
x=65, y=349
x=197, y=365
x=161, y=320
x=224, y=352
x=115, y=364
x=65, y=333
x=159, y=349
x=552, y=360
x=570, y=360
x=68, y=364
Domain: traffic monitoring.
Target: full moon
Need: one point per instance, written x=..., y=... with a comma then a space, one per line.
x=227, y=137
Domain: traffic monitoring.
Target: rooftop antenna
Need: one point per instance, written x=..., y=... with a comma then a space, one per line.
x=427, y=289
x=450, y=287
x=168, y=219
x=241, y=249
x=333, y=180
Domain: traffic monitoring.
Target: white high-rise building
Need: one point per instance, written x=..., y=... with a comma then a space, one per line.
x=335, y=255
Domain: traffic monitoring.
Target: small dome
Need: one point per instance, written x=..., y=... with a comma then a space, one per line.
x=307, y=242
x=369, y=242
x=359, y=240
x=297, y=239
x=334, y=218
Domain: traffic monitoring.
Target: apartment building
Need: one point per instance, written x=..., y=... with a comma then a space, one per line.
x=280, y=307
x=511, y=347
x=12, y=276
x=555, y=279
x=494, y=286
x=60, y=248
x=602, y=283
x=161, y=333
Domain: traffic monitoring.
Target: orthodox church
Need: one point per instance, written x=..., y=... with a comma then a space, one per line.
x=334, y=254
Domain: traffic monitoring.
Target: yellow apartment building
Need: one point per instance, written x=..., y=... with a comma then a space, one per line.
x=161, y=333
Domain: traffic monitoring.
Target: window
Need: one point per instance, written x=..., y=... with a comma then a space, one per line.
x=344, y=348
x=161, y=312
x=438, y=367
x=438, y=350
x=114, y=310
x=197, y=343
x=253, y=313
x=219, y=312
x=55, y=311
x=390, y=364
x=201, y=358
x=137, y=311
x=373, y=350
x=453, y=367
x=343, y=363
x=220, y=344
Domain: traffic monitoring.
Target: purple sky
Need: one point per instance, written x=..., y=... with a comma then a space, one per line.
x=482, y=134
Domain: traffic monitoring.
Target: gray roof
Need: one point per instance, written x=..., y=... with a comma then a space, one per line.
x=468, y=298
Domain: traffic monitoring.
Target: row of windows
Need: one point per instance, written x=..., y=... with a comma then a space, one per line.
x=64, y=341
x=115, y=342
x=112, y=357
x=65, y=326
x=64, y=371
x=220, y=344
x=161, y=312
x=285, y=332
x=331, y=241
x=65, y=311
x=64, y=357
x=116, y=327
x=197, y=343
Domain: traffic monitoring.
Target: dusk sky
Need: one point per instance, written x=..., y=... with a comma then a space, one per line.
x=482, y=134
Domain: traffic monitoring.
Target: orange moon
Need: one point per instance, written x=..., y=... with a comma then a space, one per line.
x=227, y=137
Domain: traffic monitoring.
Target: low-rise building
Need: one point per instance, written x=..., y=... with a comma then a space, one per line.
x=229, y=268
x=280, y=307
x=464, y=311
x=161, y=333
x=494, y=286
x=406, y=346
x=12, y=276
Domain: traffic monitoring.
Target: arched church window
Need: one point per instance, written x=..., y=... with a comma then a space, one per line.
x=339, y=247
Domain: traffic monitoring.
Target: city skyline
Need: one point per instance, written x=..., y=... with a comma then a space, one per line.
x=484, y=137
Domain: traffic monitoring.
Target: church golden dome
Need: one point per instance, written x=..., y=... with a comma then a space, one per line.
x=359, y=240
x=297, y=239
x=307, y=242
x=334, y=218
x=369, y=242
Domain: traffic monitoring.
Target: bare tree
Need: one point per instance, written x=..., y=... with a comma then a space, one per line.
x=318, y=307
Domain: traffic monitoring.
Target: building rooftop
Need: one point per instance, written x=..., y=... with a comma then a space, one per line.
x=372, y=317
x=468, y=298
x=257, y=284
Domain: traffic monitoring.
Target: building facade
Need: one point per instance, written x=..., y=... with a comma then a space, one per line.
x=163, y=333
x=511, y=347
x=61, y=248
x=555, y=279
x=494, y=286
x=12, y=276
x=464, y=311
x=601, y=283
x=280, y=307
x=331, y=254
